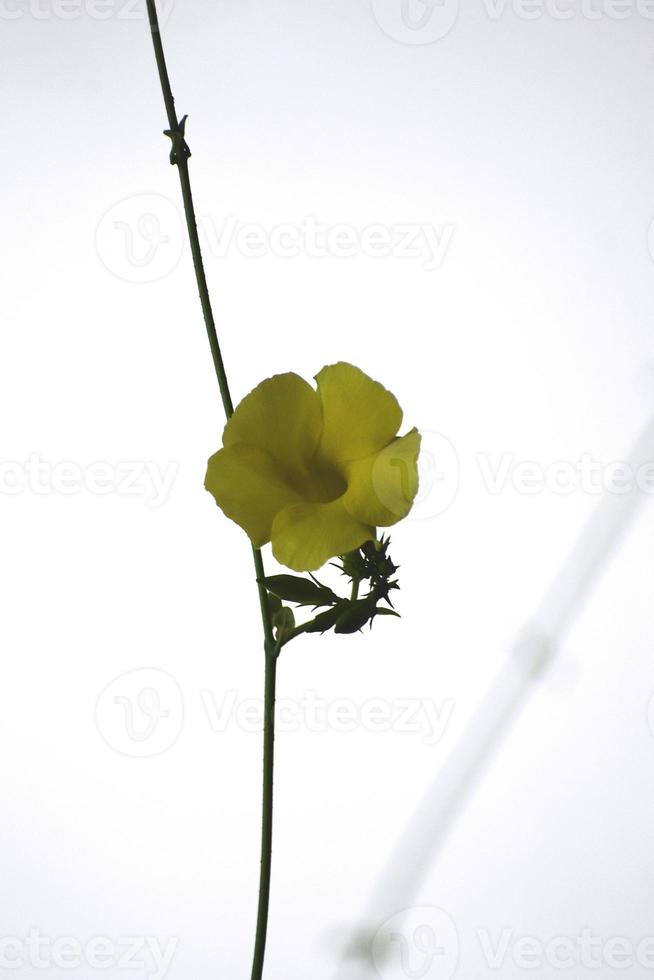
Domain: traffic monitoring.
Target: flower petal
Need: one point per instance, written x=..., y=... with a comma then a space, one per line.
x=360, y=416
x=249, y=486
x=305, y=536
x=382, y=487
x=282, y=415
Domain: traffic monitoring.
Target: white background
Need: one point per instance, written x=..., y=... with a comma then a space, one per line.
x=526, y=137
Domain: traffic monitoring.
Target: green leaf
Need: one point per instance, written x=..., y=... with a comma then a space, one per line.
x=383, y=611
x=294, y=588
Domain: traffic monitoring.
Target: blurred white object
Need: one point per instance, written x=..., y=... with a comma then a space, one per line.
x=531, y=653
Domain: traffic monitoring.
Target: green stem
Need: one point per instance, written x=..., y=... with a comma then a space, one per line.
x=267, y=826
x=179, y=157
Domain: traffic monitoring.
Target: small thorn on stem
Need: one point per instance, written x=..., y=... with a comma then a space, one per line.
x=180, y=149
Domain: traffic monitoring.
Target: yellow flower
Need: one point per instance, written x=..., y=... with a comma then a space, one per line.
x=315, y=472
